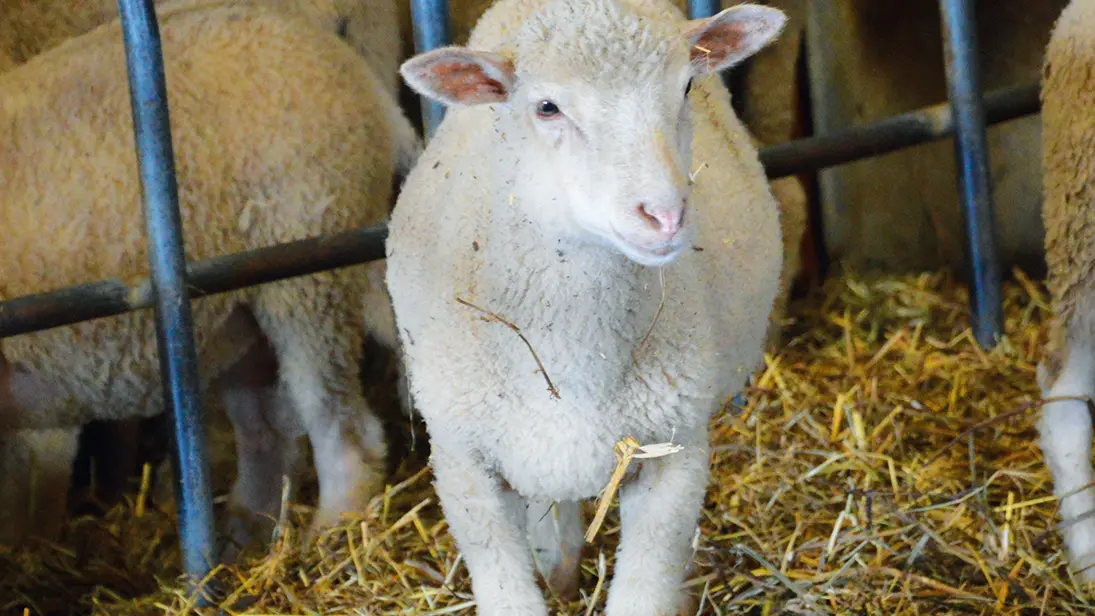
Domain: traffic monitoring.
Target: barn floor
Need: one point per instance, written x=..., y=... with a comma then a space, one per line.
x=862, y=476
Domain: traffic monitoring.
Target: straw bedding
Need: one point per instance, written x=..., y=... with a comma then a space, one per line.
x=883, y=464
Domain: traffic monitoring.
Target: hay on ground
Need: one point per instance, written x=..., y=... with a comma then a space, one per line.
x=883, y=464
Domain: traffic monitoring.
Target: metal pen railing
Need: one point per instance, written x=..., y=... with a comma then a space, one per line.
x=169, y=295
x=172, y=283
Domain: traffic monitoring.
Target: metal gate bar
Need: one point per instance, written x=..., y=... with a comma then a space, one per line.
x=892, y=134
x=174, y=329
x=430, y=19
x=106, y=298
x=698, y=9
x=971, y=156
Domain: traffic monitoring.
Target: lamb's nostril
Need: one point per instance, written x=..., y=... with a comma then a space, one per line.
x=662, y=220
x=650, y=218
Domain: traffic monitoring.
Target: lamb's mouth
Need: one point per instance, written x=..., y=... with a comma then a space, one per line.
x=663, y=253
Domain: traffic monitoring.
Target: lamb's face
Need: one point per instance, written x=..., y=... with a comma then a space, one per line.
x=613, y=162
x=597, y=99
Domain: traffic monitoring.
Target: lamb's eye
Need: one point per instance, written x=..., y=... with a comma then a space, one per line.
x=688, y=88
x=546, y=109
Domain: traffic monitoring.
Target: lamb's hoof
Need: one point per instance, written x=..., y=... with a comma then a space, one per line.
x=566, y=581
x=244, y=532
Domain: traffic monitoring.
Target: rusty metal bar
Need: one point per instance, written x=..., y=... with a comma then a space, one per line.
x=892, y=134
x=111, y=297
x=218, y=275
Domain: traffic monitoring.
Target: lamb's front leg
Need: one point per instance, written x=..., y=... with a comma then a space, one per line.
x=487, y=533
x=658, y=516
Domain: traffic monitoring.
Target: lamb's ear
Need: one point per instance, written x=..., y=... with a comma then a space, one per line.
x=460, y=76
x=722, y=40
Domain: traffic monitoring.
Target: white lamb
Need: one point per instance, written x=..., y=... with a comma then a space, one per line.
x=592, y=186
x=281, y=132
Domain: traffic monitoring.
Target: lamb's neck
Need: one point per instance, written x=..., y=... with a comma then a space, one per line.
x=551, y=279
x=584, y=308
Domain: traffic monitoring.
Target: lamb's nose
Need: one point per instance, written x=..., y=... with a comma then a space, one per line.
x=663, y=219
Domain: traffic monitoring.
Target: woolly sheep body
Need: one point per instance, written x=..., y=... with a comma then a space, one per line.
x=457, y=231
x=260, y=160
x=1069, y=215
x=29, y=27
x=371, y=27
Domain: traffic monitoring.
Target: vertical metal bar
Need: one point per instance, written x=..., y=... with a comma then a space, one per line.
x=431, y=30
x=698, y=9
x=174, y=329
x=974, y=183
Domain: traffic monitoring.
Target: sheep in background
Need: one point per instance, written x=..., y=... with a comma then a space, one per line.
x=372, y=27
x=560, y=193
x=281, y=132
x=30, y=28
x=1068, y=371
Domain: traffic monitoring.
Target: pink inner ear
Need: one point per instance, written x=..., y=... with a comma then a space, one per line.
x=466, y=81
x=717, y=43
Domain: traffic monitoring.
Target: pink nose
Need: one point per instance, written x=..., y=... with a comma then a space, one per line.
x=663, y=219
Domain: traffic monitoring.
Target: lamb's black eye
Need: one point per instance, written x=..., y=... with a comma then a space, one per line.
x=688, y=88
x=547, y=109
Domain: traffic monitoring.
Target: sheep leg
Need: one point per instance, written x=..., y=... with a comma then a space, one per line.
x=1065, y=438
x=556, y=538
x=487, y=530
x=265, y=457
x=317, y=329
x=35, y=475
x=266, y=449
x=349, y=459
x=659, y=513
x=554, y=533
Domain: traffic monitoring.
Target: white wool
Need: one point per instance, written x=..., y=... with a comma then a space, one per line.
x=492, y=216
x=1068, y=93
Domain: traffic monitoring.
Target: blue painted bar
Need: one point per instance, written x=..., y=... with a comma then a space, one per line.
x=974, y=181
x=698, y=9
x=431, y=30
x=174, y=327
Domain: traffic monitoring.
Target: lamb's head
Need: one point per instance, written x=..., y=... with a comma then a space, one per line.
x=593, y=97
